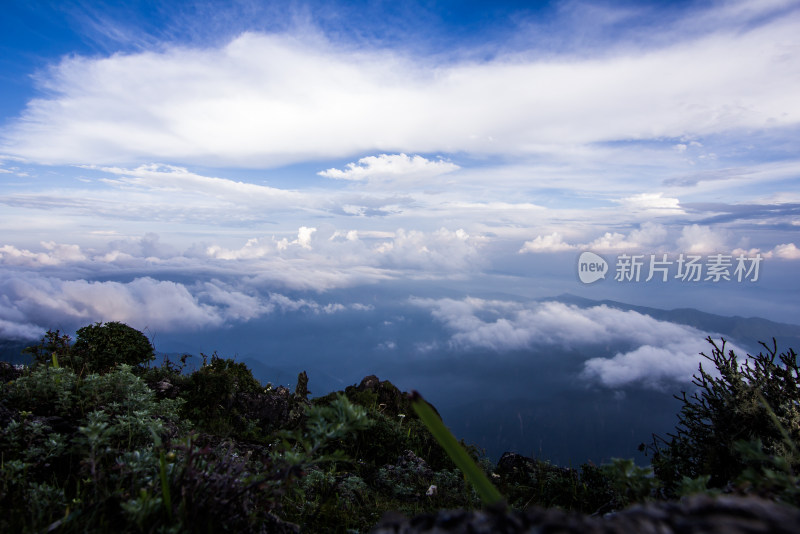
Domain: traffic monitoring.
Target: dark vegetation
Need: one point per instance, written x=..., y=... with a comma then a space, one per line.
x=94, y=438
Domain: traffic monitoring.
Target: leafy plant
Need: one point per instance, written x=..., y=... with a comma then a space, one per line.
x=102, y=346
x=211, y=393
x=755, y=401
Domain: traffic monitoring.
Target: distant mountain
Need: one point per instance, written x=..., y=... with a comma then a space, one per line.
x=747, y=331
x=11, y=350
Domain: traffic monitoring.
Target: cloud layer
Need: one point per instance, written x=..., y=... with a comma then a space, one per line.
x=665, y=353
x=34, y=304
x=270, y=99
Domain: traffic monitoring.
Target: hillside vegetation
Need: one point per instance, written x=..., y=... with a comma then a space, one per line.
x=96, y=438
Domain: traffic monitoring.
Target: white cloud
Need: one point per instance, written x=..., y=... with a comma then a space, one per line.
x=141, y=303
x=172, y=179
x=649, y=366
x=652, y=203
x=702, y=239
x=21, y=331
x=265, y=100
x=546, y=243
x=254, y=248
x=394, y=167
x=666, y=352
x=612, y=241
x=31, y=304
x=304, y=236
x=648, y=234
x=317, y=259
x=447, y=250
x=56, y=254
x=519, y=325
x=787, y=251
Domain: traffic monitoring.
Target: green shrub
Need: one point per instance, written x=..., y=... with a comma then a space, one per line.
x=53, y=342
x=97, y=348
x=754, y=401
x=211, y=392
x=102, y=346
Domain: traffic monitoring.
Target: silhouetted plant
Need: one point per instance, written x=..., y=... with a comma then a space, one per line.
x=102, y=346
x=53, y=342
x=211, y=391
x=754, y=401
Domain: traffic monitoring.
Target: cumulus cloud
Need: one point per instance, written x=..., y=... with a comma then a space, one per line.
x=665, y=352
x=56, y=254
x=702, y=239
x=304, y=236
x=19, y=331
x=649, y=366
x=546, y=243
x=787, y=251
x=648, y=234
x=312, y=259
x=391, y=167
x=33, y=304
x=399, y=253
x=443, y=249
x=142, y=302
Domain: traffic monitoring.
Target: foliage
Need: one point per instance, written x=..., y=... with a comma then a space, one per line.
x=211, y=392
x=102, y=346
x=91, y=441
x=756, y=401
x=97, y=348
x=53, y=342
x=630, y=483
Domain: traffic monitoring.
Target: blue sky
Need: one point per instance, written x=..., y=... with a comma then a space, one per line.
x=187, y=166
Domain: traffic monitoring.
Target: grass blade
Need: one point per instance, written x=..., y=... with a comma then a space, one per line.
x=486, y=490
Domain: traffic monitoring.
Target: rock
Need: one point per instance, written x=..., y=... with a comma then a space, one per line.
x=511, y=462
x=10, y=372
x=369, y=382
x=271, y=410
x=698, y=514
x=301, y=390
x=390, y=400
x=166, y=389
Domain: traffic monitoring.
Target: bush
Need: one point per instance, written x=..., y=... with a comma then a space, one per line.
x=97, y=348
x=757, y=401
x=102, y=346
x=211, y=395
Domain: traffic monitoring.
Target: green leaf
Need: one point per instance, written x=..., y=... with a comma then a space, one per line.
x=486, y=490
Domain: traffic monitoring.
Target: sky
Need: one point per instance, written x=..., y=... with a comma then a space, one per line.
x=195, y=169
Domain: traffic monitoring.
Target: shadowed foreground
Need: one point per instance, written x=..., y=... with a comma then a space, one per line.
x=699, y=514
